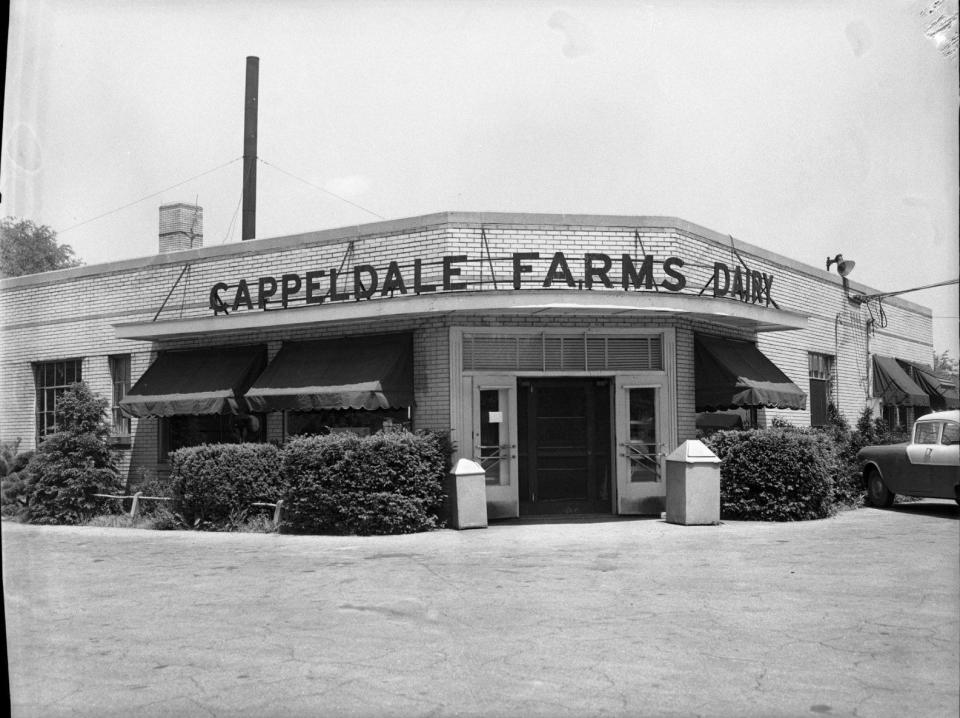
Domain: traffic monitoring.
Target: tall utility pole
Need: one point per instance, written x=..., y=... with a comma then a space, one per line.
x=249, y=230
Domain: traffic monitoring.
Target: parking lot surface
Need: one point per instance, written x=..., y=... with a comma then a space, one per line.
x=851, y=616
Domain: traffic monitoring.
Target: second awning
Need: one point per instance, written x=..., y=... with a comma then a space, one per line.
x=731, y=373
x=195, y=381
x=355, y=373
x=891, y=383
x=942, y=394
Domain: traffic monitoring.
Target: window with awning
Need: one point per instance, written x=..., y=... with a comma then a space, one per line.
x=732, y=374
x=196, y=382
x=373, y=372
x=942, y=395
x=894, y=386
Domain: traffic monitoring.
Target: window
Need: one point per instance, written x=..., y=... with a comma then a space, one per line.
x=51, y=380
x=951, y=434
x=178, y=432
x=562, y=352
x=494, y=450
x=357, y=421
x=120, y=378
x=926, y=432
x=643, y=448
x=821, y=369
x=897, y=417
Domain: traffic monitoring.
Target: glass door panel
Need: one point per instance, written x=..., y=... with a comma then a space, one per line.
x=494, y=449
x=493, y=408
x=640, y=446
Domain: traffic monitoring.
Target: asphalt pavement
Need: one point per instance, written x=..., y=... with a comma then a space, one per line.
x=857, y=615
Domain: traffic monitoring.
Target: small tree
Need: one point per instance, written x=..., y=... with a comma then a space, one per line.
x=72, y=464
x=27, y=248
x=943, y=363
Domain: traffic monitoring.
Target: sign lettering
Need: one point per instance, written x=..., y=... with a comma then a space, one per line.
x=600, y=271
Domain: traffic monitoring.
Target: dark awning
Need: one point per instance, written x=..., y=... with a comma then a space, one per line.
x=891, y=383
x=942, y=395
x=356, y=373
x=731, y=373
x=196, y=381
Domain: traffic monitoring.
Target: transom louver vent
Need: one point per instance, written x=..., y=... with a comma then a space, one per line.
x=566, y=352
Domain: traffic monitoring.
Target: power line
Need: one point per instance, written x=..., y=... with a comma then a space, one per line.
x=883, y=295
x=153, y=194
x=322, y=189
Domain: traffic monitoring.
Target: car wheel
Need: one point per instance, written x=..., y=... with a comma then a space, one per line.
x=877, y=492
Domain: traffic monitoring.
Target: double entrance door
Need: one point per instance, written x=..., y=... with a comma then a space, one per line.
x=565, y=446
x=569, y=445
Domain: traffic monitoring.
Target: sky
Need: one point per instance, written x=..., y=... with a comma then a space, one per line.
x=807, y=128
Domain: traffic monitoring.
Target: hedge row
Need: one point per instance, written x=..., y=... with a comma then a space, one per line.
x=213, y=482
x=789, y=473
x=386, y=483
x=775, y=474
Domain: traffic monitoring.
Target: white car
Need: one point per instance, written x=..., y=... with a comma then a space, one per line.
x=927, y=466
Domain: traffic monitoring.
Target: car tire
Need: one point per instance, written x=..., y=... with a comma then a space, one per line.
x=877, y=492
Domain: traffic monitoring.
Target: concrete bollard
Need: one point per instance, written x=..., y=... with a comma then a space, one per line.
x=467, y=496
x=135, y=506
x=693, y=485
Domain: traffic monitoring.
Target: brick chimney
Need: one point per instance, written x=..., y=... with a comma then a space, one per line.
x=181, y=227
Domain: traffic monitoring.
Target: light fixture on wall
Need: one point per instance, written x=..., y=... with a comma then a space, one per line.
x=844, y=266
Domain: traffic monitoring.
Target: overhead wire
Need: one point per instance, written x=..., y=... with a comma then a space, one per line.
x=146, y=197
x=318, y=187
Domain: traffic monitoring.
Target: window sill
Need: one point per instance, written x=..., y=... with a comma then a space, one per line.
x=120, y=442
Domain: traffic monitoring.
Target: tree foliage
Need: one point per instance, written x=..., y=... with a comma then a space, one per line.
x=943, y=363
x=28, y=248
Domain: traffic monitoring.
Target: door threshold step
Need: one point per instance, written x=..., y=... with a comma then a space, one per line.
x=569, y=519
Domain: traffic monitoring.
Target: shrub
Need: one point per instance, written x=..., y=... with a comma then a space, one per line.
x=161, y=518
x=847, y=486
x=774, y=474
x=21, y=460
x=13, y=495
x=210, y=483
x=14, y=488
x=8, y=454
x=387, y=483
x=150, y=485
x=71, y=465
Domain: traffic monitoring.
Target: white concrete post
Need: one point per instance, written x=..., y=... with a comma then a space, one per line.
x=135, y=505
x=467, y=495
x=693, y=485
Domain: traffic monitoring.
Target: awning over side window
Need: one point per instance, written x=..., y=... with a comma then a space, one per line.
x=891, y=383
x=942, y=395
x=732, y=373
x=355, y=373
x=196, y=381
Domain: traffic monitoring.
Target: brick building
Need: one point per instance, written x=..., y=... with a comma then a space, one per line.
x=568, y=354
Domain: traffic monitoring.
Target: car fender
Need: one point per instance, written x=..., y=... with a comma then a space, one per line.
x=865, y=472
x=890, y=461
